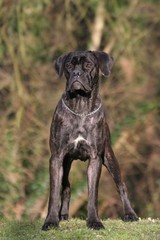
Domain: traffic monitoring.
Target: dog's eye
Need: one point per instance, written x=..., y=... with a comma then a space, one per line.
x=88, y=65
x=69, y=66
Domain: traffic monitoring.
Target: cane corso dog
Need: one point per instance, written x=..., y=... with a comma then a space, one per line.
x=79, y=131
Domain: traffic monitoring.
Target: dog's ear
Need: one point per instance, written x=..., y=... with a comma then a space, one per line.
x=105, y=62
x=59, y=64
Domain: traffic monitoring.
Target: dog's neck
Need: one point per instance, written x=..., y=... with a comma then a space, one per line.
x=82, y=103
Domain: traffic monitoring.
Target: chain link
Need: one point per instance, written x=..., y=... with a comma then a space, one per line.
x=81, y=114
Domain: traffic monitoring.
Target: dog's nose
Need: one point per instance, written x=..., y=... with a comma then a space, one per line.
x=76, y=73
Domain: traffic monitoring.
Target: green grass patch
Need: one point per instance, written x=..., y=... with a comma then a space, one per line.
x=76, y=229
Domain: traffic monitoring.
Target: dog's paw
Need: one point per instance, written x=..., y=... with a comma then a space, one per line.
x=95, y=225
x=63, y=217
x=130, y=217
x=49, y=225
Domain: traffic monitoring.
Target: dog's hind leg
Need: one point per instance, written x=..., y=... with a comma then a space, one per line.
x=66, y=190
x=111, y=163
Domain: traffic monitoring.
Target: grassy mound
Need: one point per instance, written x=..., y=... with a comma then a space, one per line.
x=76, y=229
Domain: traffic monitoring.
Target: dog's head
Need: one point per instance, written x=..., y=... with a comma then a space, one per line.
x=81, y=69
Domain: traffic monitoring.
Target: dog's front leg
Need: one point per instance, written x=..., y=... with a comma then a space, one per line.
x=56, y=172
x=94, y=171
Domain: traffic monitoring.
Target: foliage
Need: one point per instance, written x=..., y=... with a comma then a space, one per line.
x=34, y=33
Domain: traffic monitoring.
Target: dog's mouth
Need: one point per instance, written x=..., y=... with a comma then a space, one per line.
x=77, y=87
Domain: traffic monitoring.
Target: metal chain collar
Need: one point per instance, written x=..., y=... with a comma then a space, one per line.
x=81, y=114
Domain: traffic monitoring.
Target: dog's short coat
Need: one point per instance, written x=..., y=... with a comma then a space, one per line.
x=79, y=131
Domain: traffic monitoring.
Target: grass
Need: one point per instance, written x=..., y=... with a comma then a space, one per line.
x=148, y=229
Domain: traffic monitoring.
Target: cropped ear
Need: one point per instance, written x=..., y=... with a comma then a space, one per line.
x=59, y=64
x=105, y=62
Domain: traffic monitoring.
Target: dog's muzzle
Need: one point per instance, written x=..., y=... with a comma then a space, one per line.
x=76, y=84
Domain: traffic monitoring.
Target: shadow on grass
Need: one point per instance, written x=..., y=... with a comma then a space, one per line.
x=19, y=230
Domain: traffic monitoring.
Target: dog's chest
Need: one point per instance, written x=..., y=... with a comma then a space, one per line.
x=80, y=148
x=80, y=134
x=80, y=139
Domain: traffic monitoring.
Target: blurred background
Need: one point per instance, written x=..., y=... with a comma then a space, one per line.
x=33, y=34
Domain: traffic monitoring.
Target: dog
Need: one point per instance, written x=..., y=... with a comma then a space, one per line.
x=79, y=131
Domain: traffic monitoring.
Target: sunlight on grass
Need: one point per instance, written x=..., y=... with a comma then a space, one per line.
x=76, y=229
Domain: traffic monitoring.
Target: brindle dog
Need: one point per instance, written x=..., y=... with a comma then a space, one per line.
x=79, y=131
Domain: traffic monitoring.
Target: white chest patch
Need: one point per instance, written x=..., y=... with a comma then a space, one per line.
x=79, y=139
